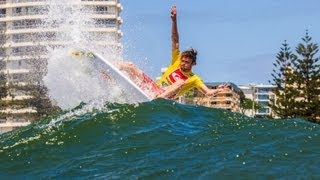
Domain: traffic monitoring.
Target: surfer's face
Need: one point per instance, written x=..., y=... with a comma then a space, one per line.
x=186, y=64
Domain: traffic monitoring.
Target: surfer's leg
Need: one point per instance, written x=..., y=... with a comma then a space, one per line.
x=132, y=70
x=151, y=85
x=140, y=78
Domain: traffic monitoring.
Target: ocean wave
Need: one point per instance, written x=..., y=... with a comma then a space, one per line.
x=160, y=139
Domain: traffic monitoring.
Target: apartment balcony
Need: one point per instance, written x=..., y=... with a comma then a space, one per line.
x=17, y=71
x=21, y=97
x=101, y=29
x=15, y=3
x=18, y=111
x=263, y=113
x=222, y=106
x=22, y=3
x=21, y=18
x=36, y=29
x=101, y=3
x=13, y=124
x=25, y=57
x=50, y=43
x=221, y=99
x=19, y=83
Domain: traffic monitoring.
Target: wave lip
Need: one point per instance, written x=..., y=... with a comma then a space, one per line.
x=160, y=139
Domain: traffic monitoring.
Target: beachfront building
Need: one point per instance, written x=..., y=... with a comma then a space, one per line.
x=228, y=99
x=29, y=32
x=261, y=94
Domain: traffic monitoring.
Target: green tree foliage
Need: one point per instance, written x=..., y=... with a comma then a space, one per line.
x=189, y=96
x=283, y=75
x=3, y=77
x=307, y=68
x=247, y=104
x=41, y=102
x=297, y=80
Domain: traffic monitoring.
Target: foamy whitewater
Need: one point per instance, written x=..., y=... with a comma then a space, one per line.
x=69, y=80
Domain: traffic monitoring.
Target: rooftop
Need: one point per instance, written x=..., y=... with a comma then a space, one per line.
x=219, y=83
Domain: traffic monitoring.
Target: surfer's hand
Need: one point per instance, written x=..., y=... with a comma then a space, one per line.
x=174, y=12
x=214, y=92
x=157, y=96
x=223, y=86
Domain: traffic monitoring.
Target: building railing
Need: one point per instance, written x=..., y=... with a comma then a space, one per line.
x=30, y=13
x=31, y=26
x=37, y=26
x=24, y=1
x=221, y=99
x=225, y=106
x=31, y=1
x=99, y=12
x=18, y=111
x=13, y=124
x=101, y=0
x=44, y=11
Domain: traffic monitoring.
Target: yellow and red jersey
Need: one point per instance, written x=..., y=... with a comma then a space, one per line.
x=173, y=73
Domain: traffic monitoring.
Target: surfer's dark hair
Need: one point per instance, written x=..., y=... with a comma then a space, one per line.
x=190, y=53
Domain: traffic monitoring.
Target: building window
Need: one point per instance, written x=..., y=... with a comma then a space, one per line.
x=101, y=9
x=263, y=103
x=26, y=24
x=3, y=25
x=105, y=22
x=263, y=97
x=263, y=90
x=2, y=12
x=17, y=10
x=264, y=111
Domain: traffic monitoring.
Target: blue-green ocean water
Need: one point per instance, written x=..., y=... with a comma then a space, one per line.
x=161, y=140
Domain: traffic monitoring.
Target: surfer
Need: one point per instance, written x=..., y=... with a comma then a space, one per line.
x=178, y=78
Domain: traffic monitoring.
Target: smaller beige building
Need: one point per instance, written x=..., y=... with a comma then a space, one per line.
x=228, y=99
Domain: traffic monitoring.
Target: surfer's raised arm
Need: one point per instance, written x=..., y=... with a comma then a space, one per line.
x=174, y=31
x=178, y=78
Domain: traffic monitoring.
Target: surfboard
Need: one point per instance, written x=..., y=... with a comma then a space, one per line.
x=112, y=74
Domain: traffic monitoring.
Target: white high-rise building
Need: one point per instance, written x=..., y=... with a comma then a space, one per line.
x=261, y=94
x=25, y=25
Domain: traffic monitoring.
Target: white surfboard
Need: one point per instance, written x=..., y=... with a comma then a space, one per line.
x=113, y=74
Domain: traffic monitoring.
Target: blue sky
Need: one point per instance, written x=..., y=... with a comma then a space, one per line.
x=237, y=41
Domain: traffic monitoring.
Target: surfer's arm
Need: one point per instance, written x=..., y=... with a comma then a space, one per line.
x=172, y=89
x=212, y=92
x=208, y=92
x=174, y=31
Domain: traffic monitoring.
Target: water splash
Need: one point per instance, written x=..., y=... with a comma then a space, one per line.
x=70, y=81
